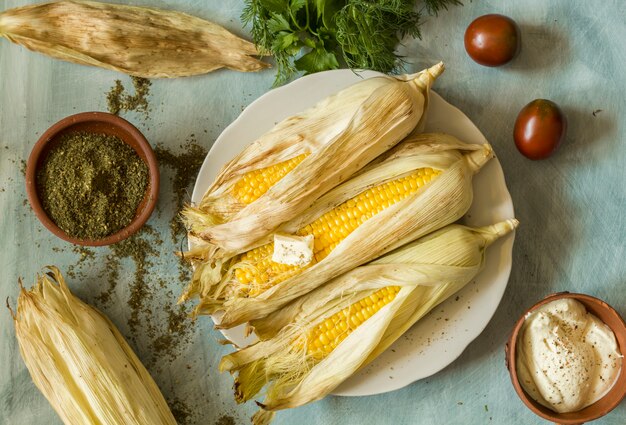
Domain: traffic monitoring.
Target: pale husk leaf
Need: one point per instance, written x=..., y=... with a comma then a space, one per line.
x=428, y=271
x=80, y=361
x=140, y=41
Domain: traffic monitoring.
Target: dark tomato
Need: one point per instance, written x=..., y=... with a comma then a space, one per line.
x=539, y=129
x=492, y=40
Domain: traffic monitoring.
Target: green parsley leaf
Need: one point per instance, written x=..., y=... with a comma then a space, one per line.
x=278, y=23
x=283, y=40
x=317, y=60
x=296, y=5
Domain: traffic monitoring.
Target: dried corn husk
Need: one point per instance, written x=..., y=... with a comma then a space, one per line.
x=343, y=133
x=428, y=271
x=140, y=41
x=80, y=361
x=441, y=202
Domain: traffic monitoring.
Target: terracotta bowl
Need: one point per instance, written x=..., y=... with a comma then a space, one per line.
x=612, y=319
x=94, y=122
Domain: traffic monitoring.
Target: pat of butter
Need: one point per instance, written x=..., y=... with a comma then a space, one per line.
x=293, y=250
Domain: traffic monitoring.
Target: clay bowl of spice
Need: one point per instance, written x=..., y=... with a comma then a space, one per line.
x=608, y=321
x=92, y=179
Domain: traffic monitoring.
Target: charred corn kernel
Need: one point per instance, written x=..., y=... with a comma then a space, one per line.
x=330, y=229
x=332, y=331
x=255, y=183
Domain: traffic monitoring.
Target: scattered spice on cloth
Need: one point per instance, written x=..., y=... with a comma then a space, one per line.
x=153, y=313
x=225, y=420
x=140, y=249
x=23, y=167
x=91, y=184
x=182, y=413
x=186, y=165
x=119, y=100
x=86, y=254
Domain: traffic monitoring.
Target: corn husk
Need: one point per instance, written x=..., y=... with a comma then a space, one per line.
x=81, y=363
x=441, y=202
x=428, y=271
x=343, y=133
x=140, y=41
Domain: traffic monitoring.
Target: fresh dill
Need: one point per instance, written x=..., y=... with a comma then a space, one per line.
x=316, y=35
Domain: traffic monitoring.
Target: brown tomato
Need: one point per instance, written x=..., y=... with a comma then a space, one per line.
x=539, y=129
x=492, y=40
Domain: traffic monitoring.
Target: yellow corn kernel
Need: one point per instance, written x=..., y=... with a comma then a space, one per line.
x=254, y=184
x=329, y=230
x=321, y=337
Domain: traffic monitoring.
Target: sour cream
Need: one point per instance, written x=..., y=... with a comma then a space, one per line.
x=567, y=358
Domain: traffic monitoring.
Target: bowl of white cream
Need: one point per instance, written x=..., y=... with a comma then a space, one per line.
x=565, y=358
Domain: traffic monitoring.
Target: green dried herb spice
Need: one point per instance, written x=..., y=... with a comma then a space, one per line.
x=186, y=166
x=119, y=100
x=91, y=184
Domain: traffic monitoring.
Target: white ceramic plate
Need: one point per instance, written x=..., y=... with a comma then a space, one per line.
x=440, y=337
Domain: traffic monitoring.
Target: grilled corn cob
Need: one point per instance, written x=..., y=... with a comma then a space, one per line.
x=81, y=363
x=329, y=230
x=260, y=189
x=321, y=339
x=420, y=186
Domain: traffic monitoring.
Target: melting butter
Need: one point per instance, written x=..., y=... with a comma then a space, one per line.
x=293, y=250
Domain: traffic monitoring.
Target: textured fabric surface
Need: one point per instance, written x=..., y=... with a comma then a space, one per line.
x=571, y=206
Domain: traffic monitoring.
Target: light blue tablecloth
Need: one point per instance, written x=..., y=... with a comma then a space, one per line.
x=571, y=206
